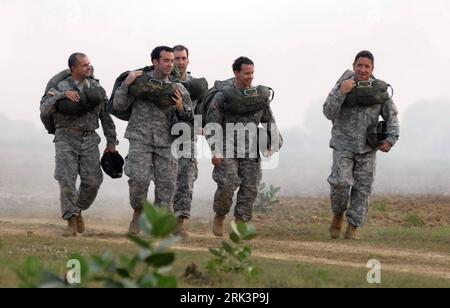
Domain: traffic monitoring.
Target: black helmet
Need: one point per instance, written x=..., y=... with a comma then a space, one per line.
x=112, y=164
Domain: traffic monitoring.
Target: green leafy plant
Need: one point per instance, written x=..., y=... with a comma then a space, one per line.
x=234, y=256
x=148, y=268
x=266, y=198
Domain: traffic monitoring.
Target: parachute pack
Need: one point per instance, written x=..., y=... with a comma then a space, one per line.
x=152, y=90
x=244, y=101
x=202, y=107
x=197, y=87
x=122, y=115
x=366, y=93
x=158, y=92
x=89, y=98
x=237, y=101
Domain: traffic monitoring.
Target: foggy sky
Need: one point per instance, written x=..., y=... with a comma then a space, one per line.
x=300, y=47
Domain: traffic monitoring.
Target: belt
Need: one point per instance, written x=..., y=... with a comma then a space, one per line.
x=82, y=133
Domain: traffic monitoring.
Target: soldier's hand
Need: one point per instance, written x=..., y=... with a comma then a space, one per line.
x=347, y=86
x=111, y=149
x=268, y=153
x=217, y=161
x=178, y=100
x=385, y=147
x=73, y=96
x=132, y=76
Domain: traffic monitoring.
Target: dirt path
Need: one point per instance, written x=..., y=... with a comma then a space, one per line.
x=320, y=253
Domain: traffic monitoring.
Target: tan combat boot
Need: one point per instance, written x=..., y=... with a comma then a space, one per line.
x=71, y=230
x=134, y=228
x=218, y=225
x=180, y=231
x=350, y=234
x=80, y=224
x=336, y=226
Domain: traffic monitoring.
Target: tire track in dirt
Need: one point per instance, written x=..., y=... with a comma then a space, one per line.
x=339, y=247
x=110, y=232
x=397, y=268
x=114, y=234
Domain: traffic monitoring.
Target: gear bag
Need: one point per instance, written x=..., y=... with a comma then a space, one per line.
x=203, y=106
x=49, y=122
x=368, y=93
x=158, y=92
x=245, y=101
x=197, y=88
x=90, y=98
x=126, y=114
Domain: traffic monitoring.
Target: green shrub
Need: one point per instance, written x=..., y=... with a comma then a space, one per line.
x=266, y=198
x=148, y=268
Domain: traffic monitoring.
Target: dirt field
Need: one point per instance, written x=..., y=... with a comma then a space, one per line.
x=409, y=236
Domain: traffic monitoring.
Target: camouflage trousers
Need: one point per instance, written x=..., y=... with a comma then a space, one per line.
x=77, y=155
x=146, y=163
x=351, y=183
x=187, y=175
x=234, y=173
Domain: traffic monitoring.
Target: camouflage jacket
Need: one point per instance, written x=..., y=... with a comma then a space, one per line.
x=350, y=124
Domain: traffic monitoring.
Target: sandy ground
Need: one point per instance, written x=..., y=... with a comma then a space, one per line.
x=434, y=211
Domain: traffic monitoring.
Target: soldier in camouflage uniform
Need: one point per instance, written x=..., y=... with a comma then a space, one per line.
x=149, y=132
x=76, y=143
x=354, y=159
x=234, y=171
x=187, y=166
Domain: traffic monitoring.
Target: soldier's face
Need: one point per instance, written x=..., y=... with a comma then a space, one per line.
x=181, y=60
x=83, y=68
x=165, y=64
x=245, y=75
x=363, y=68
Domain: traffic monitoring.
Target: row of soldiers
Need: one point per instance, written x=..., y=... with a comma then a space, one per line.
x=154, y=102
x=151, y=117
